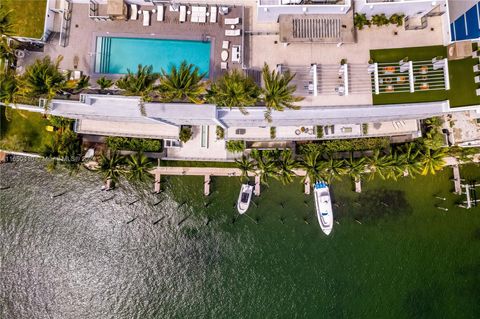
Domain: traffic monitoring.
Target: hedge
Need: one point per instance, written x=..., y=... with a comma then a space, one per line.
x=133, y=144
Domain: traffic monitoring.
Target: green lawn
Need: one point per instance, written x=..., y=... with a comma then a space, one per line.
x=22, y=130
x=28, y=16
x=462, y=86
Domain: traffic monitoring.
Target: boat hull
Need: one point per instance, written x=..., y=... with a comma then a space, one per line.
x=244, y=198
x=323, y=206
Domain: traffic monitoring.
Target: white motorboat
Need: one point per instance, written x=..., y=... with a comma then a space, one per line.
x=323, y=205
x=244, y=198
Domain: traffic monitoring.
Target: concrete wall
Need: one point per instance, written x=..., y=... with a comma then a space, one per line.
x=413, y=8
x=459, y=7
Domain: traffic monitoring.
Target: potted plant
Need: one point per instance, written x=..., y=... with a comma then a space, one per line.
x=273, y=132
x=185, y=134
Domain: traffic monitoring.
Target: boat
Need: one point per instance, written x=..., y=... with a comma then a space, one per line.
x=244, y=198
x=323, y=205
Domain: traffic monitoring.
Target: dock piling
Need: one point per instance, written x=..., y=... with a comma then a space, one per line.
x=206, y=185
x=257, y=185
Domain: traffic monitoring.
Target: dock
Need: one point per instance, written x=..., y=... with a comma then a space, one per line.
x=456, y=179
x=157, y=183
x=206, y=185
x=257, y=185
x=358, y=186
x=307, y=186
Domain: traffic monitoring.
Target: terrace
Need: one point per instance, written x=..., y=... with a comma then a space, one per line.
x=75, y=32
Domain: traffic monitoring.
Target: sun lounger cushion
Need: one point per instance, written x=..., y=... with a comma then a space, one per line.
x=146, y=18
x=133, y=12
x=183, y=14
x=160, y=13
x=213, y=14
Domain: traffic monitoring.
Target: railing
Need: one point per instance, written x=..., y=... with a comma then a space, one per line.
x=66, y=22
x=298, y=2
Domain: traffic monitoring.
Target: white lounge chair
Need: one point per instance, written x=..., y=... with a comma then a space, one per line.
x=213, y=14
x=476, y=68
x=236, y=53
x=232, y=21
x=194, y=15
x=224, y=65
x=477, y=79
x=225, y=45
x=202, y=14
x=133, y=12
x=160, y=12
x=233, y=33
x=475, y=54
x=146, y=18
x=183, y=14
x=478, y=92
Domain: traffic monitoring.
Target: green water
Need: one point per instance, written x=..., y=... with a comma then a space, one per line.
x=391, y=255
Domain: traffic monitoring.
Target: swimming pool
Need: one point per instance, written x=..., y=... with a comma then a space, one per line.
x=115, y=55
x=466, y=26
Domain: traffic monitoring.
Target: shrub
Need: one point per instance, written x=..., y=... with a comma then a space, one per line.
x=60, y=122
x=273, y=132
x=397, y=19
x=380, y=20
x=235, y=146
x=133, y=144
x=319, y=131
x=220, y=133
x=359, y=144
x=360, y=20
x=365, y=128
x=185, y=134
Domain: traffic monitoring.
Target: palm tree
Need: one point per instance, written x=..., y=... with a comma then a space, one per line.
x=377, y=164
x=6, y=23
x=246, y=165
x=138, y=167
x=111, y=166
x=234, y=89
x=278, y=93
x=6, y=50
x=182, y=83
x=311, y=164
x=432, y=160
x=8, y=87
x=265, y=166
x=140, y=83
x=104, y=83
x=331, y=169
x=285, y=165
x=43, y=79
x=409, y=160
x=354, y=167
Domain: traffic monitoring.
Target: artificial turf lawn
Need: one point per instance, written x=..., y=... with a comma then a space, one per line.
x=28, y=16
x=462, y=85
x=22, y=130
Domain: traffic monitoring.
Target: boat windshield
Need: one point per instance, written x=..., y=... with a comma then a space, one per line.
x=244, y=198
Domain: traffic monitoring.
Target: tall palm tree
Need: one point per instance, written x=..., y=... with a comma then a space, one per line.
x=246, y=165
x=265, y=166
x=6, y=22
x=140, y=83
x=410, y=160
x=354, y=167
x=182, y=83
x=104, y=83
x=6, y=50
x=377, y=164
x=111, y=166
x=8, y=87
x=311, y=164
x=138, y=167
x=277, y=92
x=234, y=89
x=285, y=164
x=432, y=160
x=43, y=79
x=331, y=169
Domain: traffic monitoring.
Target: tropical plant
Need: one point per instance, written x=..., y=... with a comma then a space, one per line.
x=285, y=165
x=397, y=19
x=377, y=164
x=220, y=133
x=111, y=166
x=360, y=20
x=6, y=22
x=8, y=87
x=331, y=169
x=246, y=165
x=235, y=146
x=104, y=83
x=278, y=92
x=60, y=122
x=265, y=165
x=311, y=164
x=140, y=83
x=319, y=130
x=234, y=89
x=138, y=167
x=354, y=167
x=380, y=20
x=432, y=160
x=43, y=79
x=409, y=160
x=182, y=84
x=115, y=143
x=185, y=134
x=7, y=52
x=78, y=85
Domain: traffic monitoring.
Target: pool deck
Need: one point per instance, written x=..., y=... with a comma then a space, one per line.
x=81, y=44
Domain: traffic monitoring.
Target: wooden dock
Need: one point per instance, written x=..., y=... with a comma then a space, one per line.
x=257, y=185
x=358, y=186
x=307, y=186
x=457, y=179
x=157, y=183
x=206, y=185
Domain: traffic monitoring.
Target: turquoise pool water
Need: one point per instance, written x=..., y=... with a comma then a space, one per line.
x=117, y=55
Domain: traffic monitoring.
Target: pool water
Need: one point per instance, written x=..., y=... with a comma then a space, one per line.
x=116, y=55
x=467, y=26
